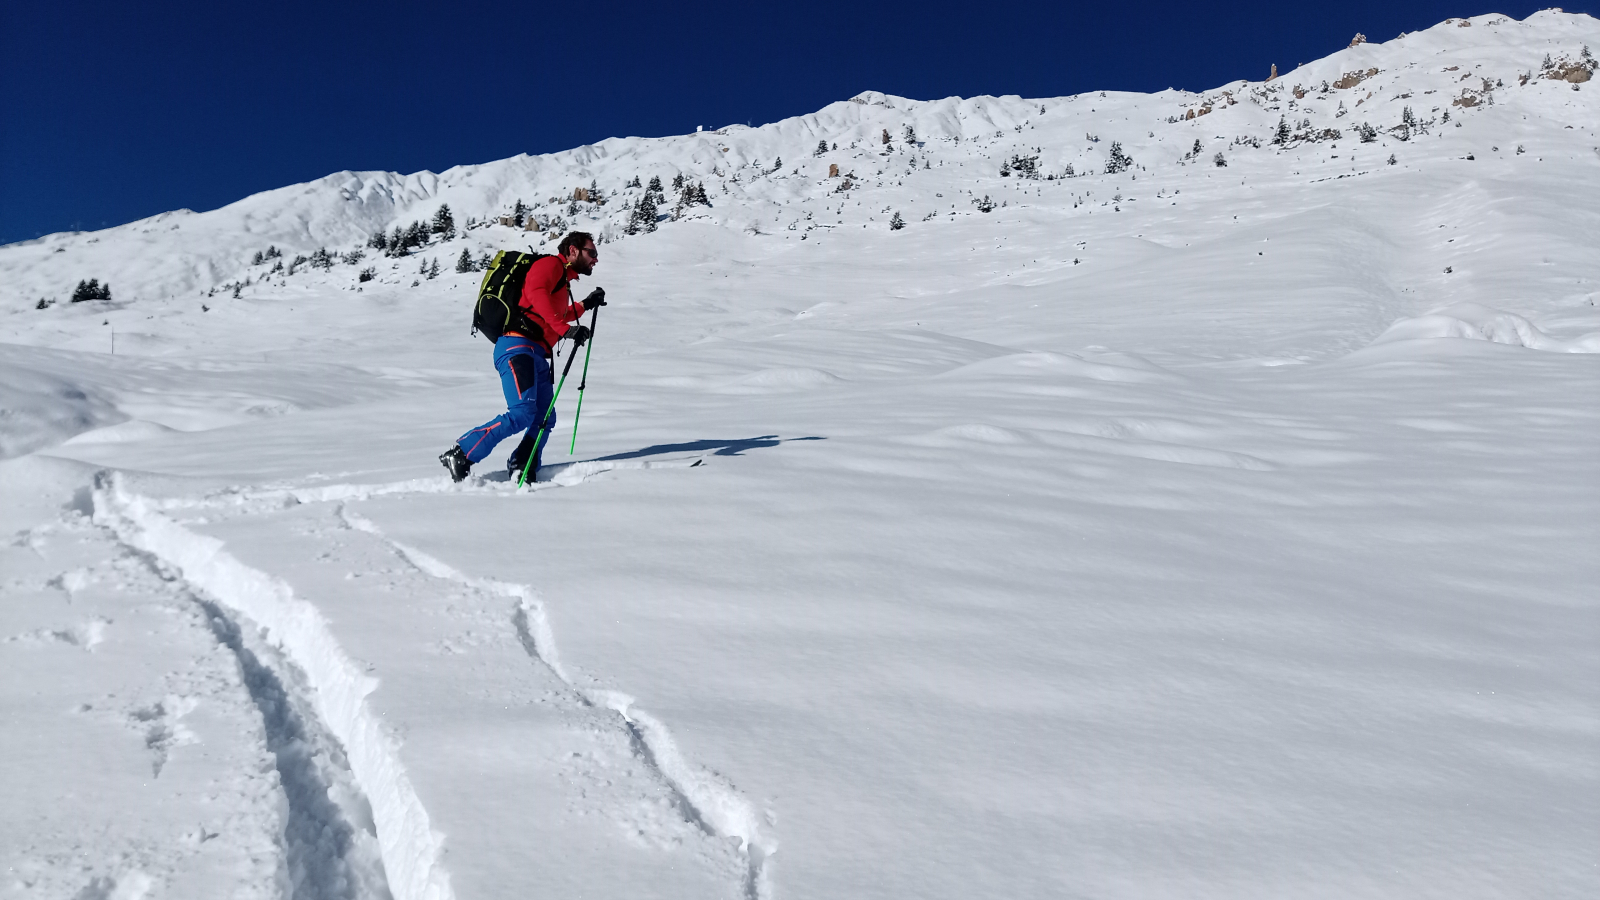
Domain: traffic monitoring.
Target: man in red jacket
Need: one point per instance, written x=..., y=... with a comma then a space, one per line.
x=523, y=359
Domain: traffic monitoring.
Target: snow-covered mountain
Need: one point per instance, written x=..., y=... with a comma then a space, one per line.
x=1196, y=497
x=1487, y=87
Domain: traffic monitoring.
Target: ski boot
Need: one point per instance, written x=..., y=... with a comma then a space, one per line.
x=456, y=462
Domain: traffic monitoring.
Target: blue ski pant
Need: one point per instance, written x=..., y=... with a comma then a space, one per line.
x=525, y=377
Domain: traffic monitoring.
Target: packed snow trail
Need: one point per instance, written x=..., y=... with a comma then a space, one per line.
x=532, y=839
x=707, y=800
x=337, y=686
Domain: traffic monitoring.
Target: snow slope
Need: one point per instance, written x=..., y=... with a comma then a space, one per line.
x=1193, y=530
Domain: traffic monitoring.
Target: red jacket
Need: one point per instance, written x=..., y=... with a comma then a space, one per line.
x=548, y=302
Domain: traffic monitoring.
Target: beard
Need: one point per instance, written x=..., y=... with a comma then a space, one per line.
x=582, y=265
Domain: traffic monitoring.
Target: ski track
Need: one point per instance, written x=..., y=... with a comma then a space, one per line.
x=705, y=799
x=318, y=833
x=320, y=842
x=336, y=689
x=277, y=497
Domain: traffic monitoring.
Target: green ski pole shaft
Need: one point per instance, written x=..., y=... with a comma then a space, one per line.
x=583, y=381
x=533, y=454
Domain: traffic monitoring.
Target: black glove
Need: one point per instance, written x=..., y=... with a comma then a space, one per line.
x=597, y=297
x=578, y=334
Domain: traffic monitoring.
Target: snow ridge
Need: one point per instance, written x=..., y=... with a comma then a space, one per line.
x=410, y=848
x=707, y=800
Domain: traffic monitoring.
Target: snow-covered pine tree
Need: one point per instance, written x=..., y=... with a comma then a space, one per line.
x=896, y=223
x=519, y=213
x=1281, y=136
x=822, y=147
x=677, y=182
x=444, y=224
x=1219, y=160
x=645, y=212
x=1408, y=123
x=1367, y=132
x=379, y=241
x=1116, y=160
x=256, y=260
x=464, y=262
x=1195, y=153
x=910, y=136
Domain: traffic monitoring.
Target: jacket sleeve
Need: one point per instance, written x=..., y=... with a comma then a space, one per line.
x=540, y=297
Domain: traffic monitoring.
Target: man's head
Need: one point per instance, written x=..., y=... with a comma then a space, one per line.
x=578, y=251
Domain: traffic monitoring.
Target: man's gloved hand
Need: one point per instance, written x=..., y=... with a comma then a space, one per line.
x=597, y=297
x=579, y=334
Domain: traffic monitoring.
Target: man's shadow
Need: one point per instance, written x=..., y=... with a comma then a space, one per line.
x=735, y=447
x=713, y=447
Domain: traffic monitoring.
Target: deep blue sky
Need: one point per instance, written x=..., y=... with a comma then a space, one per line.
x=110, y=112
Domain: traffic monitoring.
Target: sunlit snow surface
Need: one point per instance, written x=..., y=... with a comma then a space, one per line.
x=1194, y=531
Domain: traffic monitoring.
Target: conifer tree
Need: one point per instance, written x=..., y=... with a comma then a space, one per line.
x=644, y=214
x=1219, y=160
x=519, y=214
x=1196, y=151
x=896, y=223
x=1281, y=136
x=1408, y=121
x=822, y=147
x=910, y=136
x=677, y=182
x=444, y=224
x=1117, y=161
x=464, y=262
x=256, y=260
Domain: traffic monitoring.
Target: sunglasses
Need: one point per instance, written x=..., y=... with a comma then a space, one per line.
x=593, y=253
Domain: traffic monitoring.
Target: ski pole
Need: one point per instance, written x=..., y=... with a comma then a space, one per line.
x=539, y=438
x=583, y=380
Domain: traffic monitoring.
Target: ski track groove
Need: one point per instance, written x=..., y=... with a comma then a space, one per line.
x=277, y=497
x=705, y=799
x=408, y=846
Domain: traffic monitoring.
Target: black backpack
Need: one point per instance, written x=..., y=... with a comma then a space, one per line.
x=499, y=309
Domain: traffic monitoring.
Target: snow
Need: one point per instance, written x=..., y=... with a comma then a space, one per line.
x=1193, y=531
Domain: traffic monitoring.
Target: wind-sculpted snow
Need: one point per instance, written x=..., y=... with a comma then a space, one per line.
x=1480, y=323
